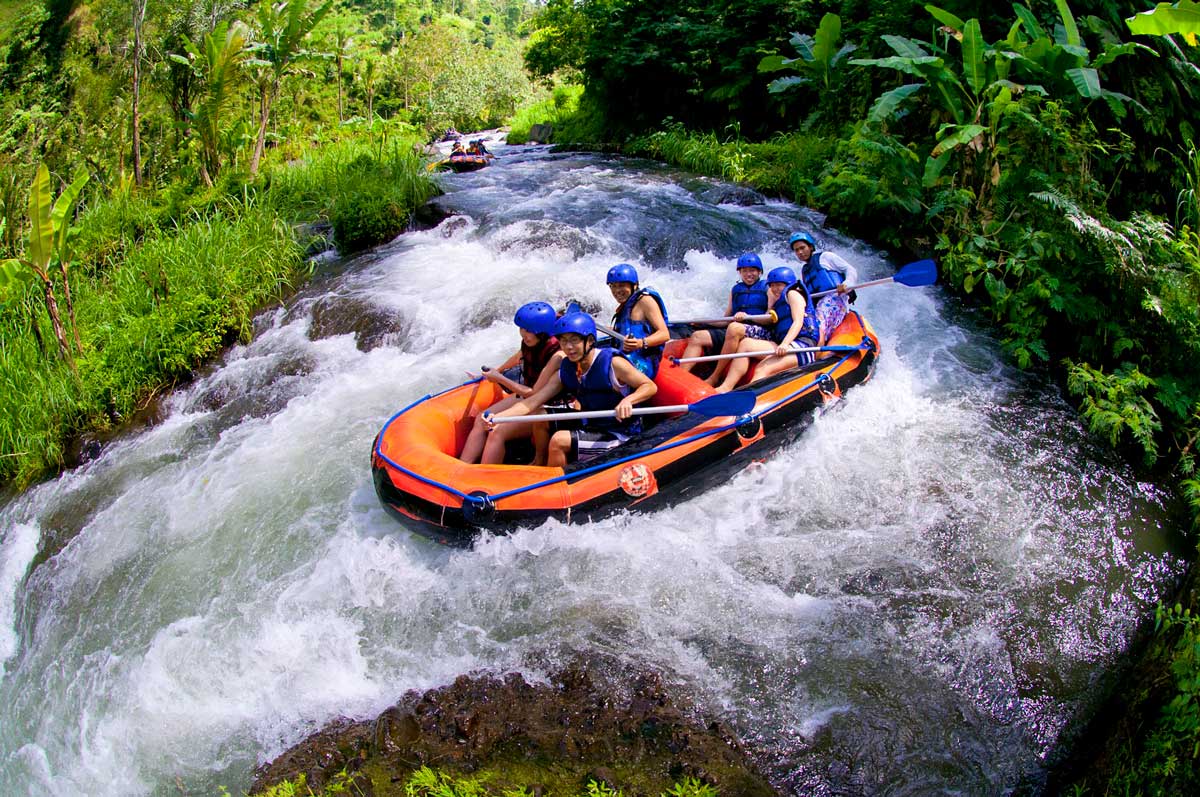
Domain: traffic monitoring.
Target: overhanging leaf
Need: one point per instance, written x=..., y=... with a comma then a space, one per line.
x=890, y=101
x=14, y=277
x=772, y=63
x=1087, y=82
x=905, y=47
x=782, y=84
x=962, y=134
x=944, y=17
x=1167, y=18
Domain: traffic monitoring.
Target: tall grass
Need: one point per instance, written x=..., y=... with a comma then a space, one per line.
x=164, y=280
x=790, y=164
x=366, y=188
x=562, y=104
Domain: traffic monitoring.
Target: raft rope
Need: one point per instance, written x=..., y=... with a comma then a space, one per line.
x=476, y=498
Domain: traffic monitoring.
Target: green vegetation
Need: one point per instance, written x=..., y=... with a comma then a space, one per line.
x=559, y=109
x=426, y=782
x=1042, y=152
x=208, y=144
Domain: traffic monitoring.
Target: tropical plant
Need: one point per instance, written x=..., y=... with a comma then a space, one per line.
x=1165, y=19
x=282, y=30
x=217, y=63
x=48, y=231
x=817, y=57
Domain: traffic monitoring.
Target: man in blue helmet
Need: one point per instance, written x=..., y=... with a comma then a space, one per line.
x=601, y=379
x=641, y=317
x=823, y=271
x=533, y=365
x=748, y=296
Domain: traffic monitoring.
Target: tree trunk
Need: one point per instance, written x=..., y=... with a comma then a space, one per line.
x=70, y=306
x=264, y=115
x=55, y=320
x=341, y=118
x=139, y=16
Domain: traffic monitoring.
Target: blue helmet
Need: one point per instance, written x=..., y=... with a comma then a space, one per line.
x=580, y=324
x=749, y=260
x=801, y=236
x=622, y=272
x=537, y=317
x=781, y=274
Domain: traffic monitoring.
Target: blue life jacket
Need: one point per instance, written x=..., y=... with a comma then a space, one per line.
x=599, y=390
x=645, y=360
x=751, y=300
x=783, y=311
x=817, y=278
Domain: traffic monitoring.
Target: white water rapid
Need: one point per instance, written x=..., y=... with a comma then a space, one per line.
x=916, y=596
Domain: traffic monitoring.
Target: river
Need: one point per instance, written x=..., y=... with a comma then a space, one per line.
x=918, y=595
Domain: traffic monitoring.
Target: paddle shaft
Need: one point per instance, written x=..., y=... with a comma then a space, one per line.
x=565, y=416
x=765, y=318
x=849, y=288
x=764, y=353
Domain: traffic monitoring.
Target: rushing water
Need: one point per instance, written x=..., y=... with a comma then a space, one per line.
x=916, y=596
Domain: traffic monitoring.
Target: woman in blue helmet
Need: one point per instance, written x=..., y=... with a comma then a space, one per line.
x=789, y=300
x=641, y=317
x=534, y=363
x=600, y=379
x=747, y=297
x=823, y=271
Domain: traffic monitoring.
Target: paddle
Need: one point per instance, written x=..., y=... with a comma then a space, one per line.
x=738, y=402
x=914, y=275
x=763, y=353
x=765, y=318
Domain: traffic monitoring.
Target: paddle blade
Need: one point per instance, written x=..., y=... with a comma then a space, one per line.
x=922, y=272
x=738, y=402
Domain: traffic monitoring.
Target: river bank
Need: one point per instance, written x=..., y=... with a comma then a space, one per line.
x=162, y=281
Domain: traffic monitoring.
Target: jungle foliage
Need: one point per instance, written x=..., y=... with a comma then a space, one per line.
x=1043, y=152
x=164, y=168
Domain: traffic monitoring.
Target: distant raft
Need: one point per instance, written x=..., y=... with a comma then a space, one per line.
x=422, y=484
x=462, y=163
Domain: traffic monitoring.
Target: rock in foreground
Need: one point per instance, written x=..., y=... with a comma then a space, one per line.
x=549, y=738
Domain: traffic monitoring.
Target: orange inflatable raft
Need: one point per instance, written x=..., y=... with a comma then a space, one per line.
x=422, y=484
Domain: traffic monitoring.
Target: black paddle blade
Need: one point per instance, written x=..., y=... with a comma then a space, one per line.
x=922, y=272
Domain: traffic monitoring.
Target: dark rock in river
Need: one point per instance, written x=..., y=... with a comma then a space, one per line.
x=732, y=195
x=371, y=324
x=551, y=738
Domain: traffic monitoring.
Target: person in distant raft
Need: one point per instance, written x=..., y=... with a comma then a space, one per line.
x=641, y=317
x=537, y=360
x=747, y=297
x=601, y=379
x=823, y=271
x=793, y=308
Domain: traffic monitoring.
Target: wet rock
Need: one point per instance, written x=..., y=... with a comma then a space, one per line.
x=732, y=195
x=371, y=325
x=622, y=730
x=544, y=235
x=429, y=216
x=541, y=133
